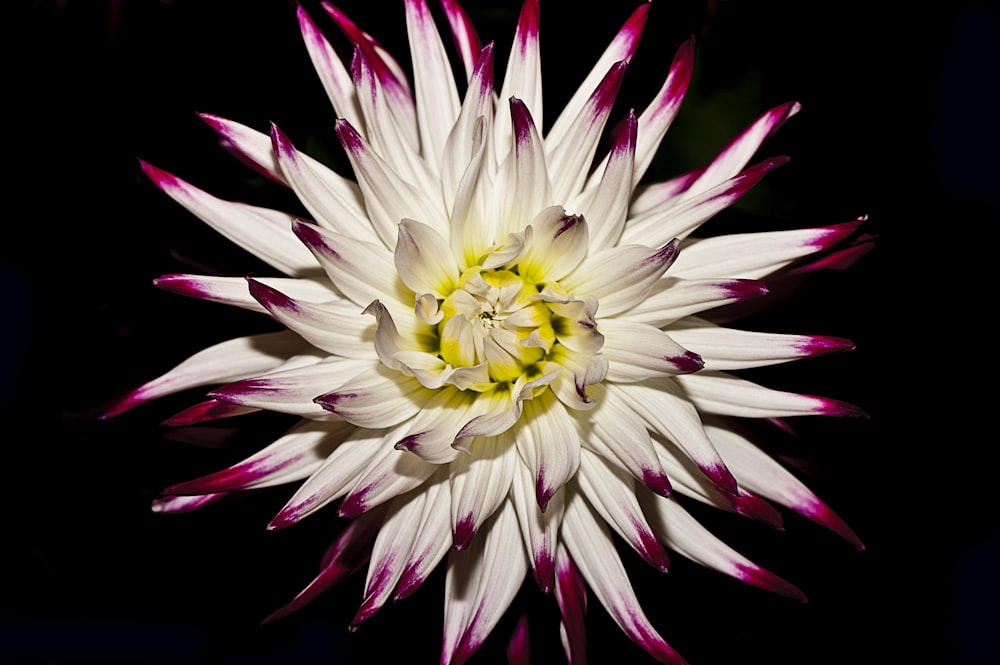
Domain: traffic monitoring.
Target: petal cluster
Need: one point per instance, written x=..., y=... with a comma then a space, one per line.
x=499, y=347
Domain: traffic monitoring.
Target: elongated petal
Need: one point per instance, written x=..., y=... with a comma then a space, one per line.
x=728, y=348
x=524, y=179
x=605, y=205
x=590, y=545
x=433, y=535
x=615, y=431
x=331, y=203
x=333, y=75
x=621, y=49
x=665, y=409
x=539, y=528
x=611, y=493
x=637, y=351
x=348, y=553
x=434, y=85
x=263, y=232
x=337, y=475
x=480, y=585
x=293, y=456
x=464, y=33
x=435, y=429
x=338, y=327
x=206, y=411
x=549, y=445
x=385, y=478
x=249, y=146
x=558, y=244
x=292, y=390
x=672, y=298
x=685, y=535
x=571, y=594
x=755, y=255
x=728, y=395
x=235, y=290
x=523, y=78
x=620, y=277
x=569, y=159
x=480, y=481
x=378, y=397
x=423, y=260
x=679, y=218
x=762, y=474
x=220, y=363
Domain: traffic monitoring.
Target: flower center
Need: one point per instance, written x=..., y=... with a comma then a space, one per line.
x=496, y=318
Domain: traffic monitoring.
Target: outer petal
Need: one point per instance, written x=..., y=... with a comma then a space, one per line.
x=434, y=85
x=221, y=363
x=539, y=529
x=523, y=78
x=549, y=445
x=672, y=298
x=377, y=397
x=333, y=75
x=760, y=473
x=234, y=290
x=433, y=537
x=480, y=481
x=666, y=409
x=571, y=593
x=725, y=394
x=756, y=255
x=611, y=493
x=263, y=232
x=589, y=543
x=685, y=535
x=480, y=585
x=464, y=34
x=524, y=179
x=293, y=456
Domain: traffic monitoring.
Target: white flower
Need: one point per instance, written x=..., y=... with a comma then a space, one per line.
x=501, y=356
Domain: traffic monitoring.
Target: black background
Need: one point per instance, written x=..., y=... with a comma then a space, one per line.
x=897, y=123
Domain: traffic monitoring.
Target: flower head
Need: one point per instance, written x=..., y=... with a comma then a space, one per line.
x=500, y=343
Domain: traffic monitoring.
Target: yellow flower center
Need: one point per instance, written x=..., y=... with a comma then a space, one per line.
x=495, y=317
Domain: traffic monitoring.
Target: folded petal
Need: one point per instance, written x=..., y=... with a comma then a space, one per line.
x=620, y=277
x=672, y=298
x=637, y=351
x=549, y=444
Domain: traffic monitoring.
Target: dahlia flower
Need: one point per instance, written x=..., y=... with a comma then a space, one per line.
x=499, y=343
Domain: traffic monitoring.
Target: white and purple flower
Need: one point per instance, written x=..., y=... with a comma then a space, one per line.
x=500, y=350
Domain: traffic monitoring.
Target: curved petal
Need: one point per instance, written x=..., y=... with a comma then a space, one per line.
x=620, y=277
x=672, y=298
x=558, y=244
x=549, y=444
x=479, y=483
x=637, y=351
x=539, y=529
x=235, y=290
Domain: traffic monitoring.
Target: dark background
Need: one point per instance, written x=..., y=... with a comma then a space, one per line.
x=898, y=123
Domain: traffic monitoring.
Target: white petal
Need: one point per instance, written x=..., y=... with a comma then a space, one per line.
x=637, y=351
x=523, y=78
x=620, y=277
x=523, y=179
x=549, y=445
x=479, y=483
x=539, y=529
x=423, y=260
x=672, y=298
x=378, y=397
x=558, y=244
x=236, y=291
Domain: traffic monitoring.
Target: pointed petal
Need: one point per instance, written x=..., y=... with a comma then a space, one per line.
x=571, y=594
x=637, y=351
x=617, y=433
x=590, y=545
x=385, y=478
x=235, y=291
x=464, y=33
x=728, y=348
x=376, y=398
x=673, y=298
x=569, y=159
x=549, y=445
x=620, y=277
x=345, y=556
x=660, y=114
x=524, y=179
x=558, y=244
x=433, y=535
x=621, y=48
x=332, y=204
x=249, y=146
x=362, y=271
x=292, y=457
x=262, y=232
x=220, y=363
x=480, y=482
x=539, y=529
x=172, y=505
x=678, y=218
x=332, y=73
x=762, y=474
x=755, y=255
x=207, y=411
x=523, y=78
x=436, y=428
x=606, y=204
x=728, y=395
x=611, y=493
x=338, y=327
x=480, y=585
x=434, y=85
x=424, y=261
x=685, y=535
x=665, y=409
x=338, y=473
x=292, y=390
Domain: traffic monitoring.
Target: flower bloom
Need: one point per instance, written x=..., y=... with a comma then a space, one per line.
x=500, y=349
